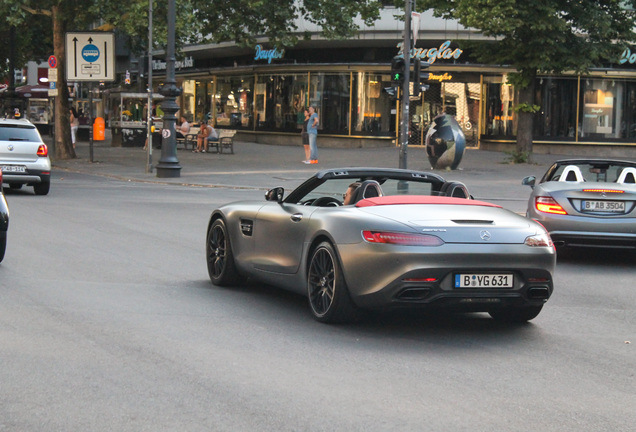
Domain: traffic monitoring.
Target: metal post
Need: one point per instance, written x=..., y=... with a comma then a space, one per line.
x=149, y=109
x=168, y=165
x=404, y=120
x=90, y=121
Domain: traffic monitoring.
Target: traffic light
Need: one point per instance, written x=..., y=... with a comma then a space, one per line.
x=392, y=92
x=397, y=69
x=418, y=87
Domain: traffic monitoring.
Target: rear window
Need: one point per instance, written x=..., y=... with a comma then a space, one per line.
x=19, y=133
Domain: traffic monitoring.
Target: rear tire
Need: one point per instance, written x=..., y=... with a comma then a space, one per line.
x=42, y=188
x=516, y=314
x=328, y=294
x=221, y=267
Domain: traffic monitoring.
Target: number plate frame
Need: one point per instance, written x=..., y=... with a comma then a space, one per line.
x=484, y=280
x=602, y=206
x=20, y=169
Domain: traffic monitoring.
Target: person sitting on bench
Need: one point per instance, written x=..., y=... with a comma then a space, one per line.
x=206, y=133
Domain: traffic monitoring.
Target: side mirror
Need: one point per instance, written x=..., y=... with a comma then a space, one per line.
x=529, y=181
x=275, y=194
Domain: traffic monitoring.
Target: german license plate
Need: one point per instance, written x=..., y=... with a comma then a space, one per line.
x=469, y=280
x=604, y=206
x=13, y=168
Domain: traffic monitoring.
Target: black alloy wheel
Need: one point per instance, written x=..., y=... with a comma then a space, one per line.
x=219, y=255
x=327, y=291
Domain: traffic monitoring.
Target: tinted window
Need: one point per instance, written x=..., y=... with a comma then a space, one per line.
x=19, y=133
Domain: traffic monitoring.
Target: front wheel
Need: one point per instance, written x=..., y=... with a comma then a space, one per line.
x=516, y=314
x=329, y=297
x=220, y=258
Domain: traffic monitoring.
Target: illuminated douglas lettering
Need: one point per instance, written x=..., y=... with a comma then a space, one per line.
x=430, y=55
x=440, y=78
x=262, y=54
x=627, y=57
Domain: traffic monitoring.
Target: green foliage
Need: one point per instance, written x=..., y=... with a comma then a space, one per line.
x=528, y=108
x=517, y=157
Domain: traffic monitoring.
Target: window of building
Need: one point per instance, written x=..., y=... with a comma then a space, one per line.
x=500, y=120
x=280, y=101
x=557, y=99
x=330, y=95
x=234, y=102
x=373, y=111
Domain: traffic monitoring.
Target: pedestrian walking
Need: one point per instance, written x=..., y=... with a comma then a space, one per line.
x=74, y=125
x=305, y=137
x=312, y=131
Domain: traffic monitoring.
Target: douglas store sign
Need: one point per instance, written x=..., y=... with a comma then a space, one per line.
x=269, y=55
x=430, y=55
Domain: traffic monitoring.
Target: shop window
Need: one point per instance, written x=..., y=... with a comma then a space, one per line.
x=500, y=120
x=188, y=100
x=330, y=95
x=280, y=101
x=373, y=111
x=557, y=99
x=233, y=102
x=601, y=116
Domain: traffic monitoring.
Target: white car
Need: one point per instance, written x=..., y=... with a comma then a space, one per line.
x=24, y=158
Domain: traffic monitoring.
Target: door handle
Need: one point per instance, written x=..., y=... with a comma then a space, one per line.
x=297, y=217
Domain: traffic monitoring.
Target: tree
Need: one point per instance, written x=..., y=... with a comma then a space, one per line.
x=243, y=21
x=549, y=36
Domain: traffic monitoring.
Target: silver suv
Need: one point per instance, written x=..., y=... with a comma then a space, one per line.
x=24, y=158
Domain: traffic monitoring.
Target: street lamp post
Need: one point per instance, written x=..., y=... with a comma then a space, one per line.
x=168, y=165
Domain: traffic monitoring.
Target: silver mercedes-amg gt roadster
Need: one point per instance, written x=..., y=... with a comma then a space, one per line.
x=353, y=239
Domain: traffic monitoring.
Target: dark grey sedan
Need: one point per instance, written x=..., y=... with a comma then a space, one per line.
x=352, y=239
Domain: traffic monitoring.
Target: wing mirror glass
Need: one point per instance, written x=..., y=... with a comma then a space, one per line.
x=529, y=181
x=275, y=194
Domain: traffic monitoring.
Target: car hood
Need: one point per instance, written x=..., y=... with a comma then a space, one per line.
x=459, y=223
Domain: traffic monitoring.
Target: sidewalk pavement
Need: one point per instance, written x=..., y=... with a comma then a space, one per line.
x=489, y=175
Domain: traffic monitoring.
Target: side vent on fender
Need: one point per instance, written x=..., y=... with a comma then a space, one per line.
x=247, y=227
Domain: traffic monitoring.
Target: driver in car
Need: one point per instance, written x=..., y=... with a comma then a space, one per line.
x=348, y=195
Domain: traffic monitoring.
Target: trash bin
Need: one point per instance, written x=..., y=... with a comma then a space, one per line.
x=99, y=129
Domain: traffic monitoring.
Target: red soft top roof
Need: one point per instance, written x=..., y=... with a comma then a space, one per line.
x=420, y=199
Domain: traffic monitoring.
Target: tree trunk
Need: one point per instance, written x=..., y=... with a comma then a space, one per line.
x=63, y=146
x=526, y=120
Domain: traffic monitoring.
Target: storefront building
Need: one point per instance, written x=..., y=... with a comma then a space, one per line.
x=262, y=92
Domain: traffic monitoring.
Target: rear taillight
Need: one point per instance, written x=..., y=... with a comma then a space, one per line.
x=539, y=240
x=549, y=205
x=43, y=150
x=402, y=239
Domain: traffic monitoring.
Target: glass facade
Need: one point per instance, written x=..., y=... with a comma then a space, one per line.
x=572, y=109
x=347, y=104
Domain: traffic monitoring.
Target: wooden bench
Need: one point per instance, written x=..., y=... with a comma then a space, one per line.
x=190, y=139
x=225, y=141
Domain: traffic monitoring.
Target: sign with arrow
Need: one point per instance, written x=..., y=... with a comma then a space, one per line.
x=90, y=56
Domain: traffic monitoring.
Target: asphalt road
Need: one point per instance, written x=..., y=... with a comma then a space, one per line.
x=108, y=321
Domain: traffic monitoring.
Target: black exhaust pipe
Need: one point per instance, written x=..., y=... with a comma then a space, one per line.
x=538, y=293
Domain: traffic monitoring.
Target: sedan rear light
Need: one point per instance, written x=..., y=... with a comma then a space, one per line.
x=43, y=150
x=549, y=205
x=403, y=239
